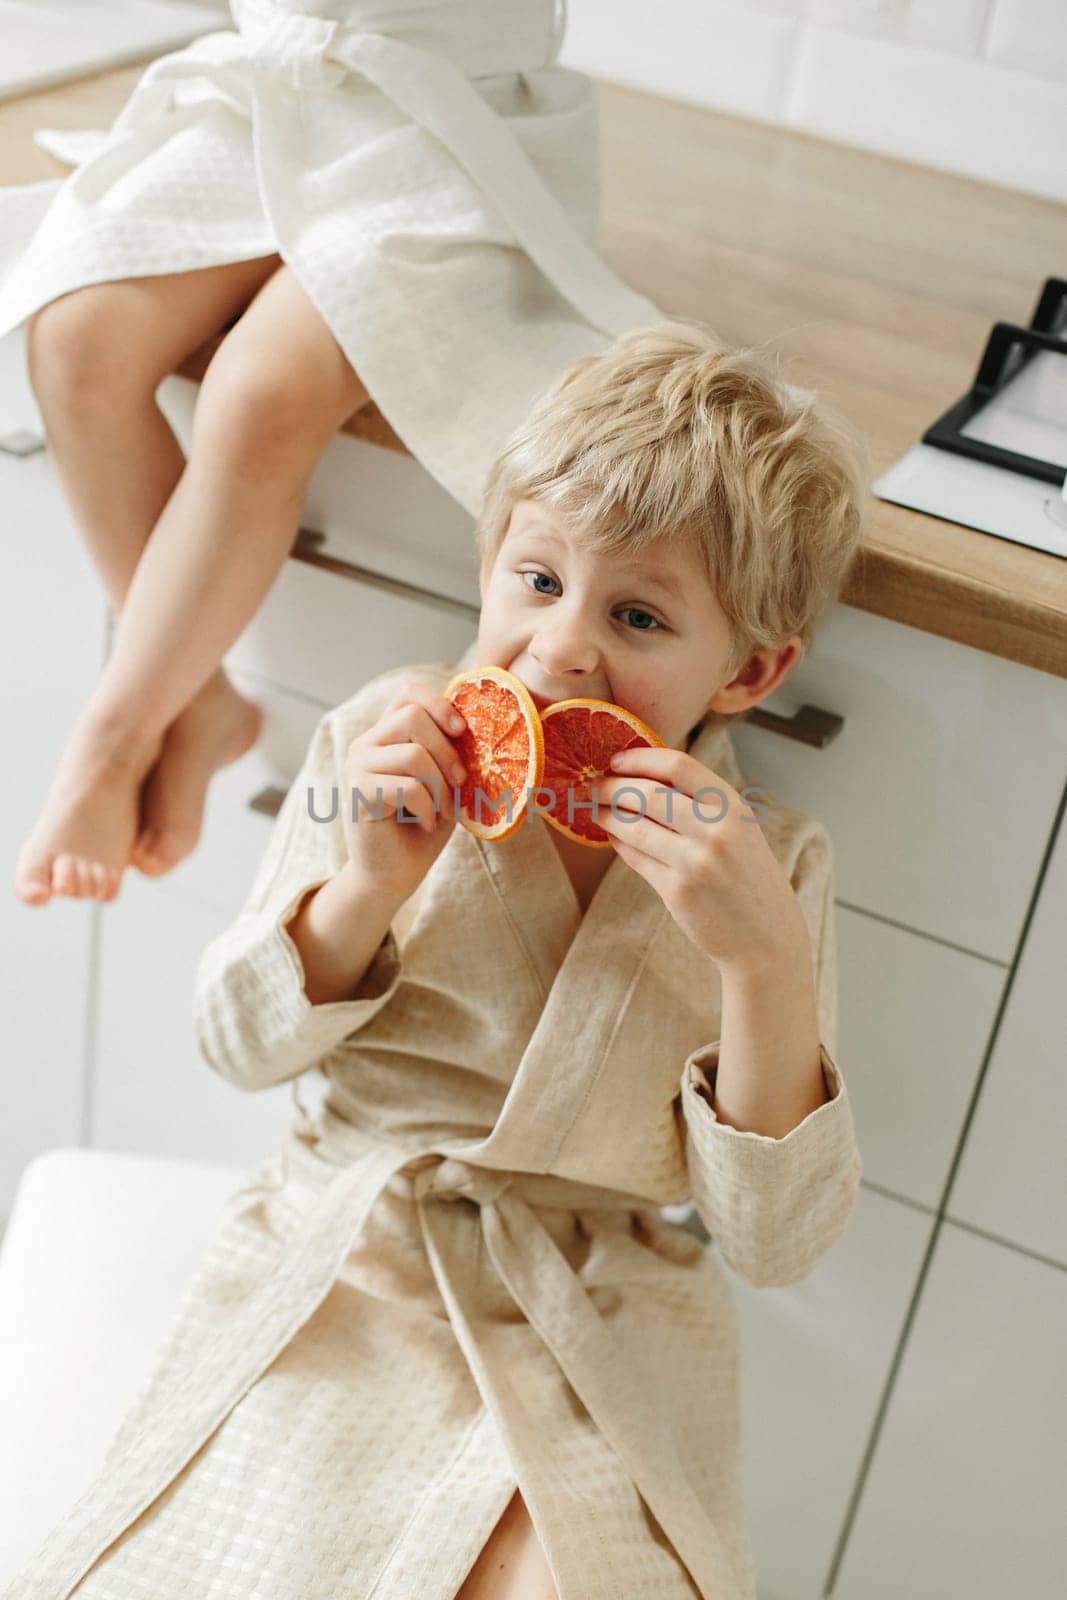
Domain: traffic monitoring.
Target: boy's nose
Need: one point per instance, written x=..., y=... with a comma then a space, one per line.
x=565, y=653
x=558, y=681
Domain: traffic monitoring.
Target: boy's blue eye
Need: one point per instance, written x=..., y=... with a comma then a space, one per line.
x=657, y=626
x=537, y=575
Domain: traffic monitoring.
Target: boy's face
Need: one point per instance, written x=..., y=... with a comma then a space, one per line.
x=646, y=633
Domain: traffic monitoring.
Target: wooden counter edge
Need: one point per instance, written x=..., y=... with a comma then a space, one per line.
x=921, y=592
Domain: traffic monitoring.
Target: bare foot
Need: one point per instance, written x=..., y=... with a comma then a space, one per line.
x=81, y=841
x=216, y=727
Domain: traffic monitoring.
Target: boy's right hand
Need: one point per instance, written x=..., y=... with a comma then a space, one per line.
x=408, y=747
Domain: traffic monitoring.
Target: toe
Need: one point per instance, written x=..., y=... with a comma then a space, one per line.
x=170, y=846
x=164, y=855
x=33, y=882
x=65, y=879
x=100, y=881
x=143, y=854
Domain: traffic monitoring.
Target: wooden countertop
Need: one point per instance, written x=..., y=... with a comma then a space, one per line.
x=877, y=281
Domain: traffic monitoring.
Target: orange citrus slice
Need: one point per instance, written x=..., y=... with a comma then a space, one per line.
x=502, y=749
x=580, y=738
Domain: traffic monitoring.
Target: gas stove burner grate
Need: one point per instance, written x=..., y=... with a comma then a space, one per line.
x=1009, y=351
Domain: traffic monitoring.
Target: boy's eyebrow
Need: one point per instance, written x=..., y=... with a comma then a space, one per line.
x=653, y=576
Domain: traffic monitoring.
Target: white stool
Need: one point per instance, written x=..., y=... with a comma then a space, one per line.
x=97, y=1252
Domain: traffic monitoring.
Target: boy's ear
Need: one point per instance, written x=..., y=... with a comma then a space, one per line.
x=759, y=677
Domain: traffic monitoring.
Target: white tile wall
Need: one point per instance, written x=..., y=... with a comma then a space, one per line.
x=972, y=86
x=1031, y=35
x=970, y=116
x=944, y=24
x=714, y=52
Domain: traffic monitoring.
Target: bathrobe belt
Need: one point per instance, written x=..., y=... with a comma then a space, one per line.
x=433, y=89
x=534, y=1271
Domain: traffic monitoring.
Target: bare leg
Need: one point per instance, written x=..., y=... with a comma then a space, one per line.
x=96, y=358
x=512, y=1564
x=278, y=388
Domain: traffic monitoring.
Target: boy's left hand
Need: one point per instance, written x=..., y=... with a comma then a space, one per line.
x=719, y=879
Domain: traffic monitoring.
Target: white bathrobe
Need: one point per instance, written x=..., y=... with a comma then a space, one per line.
x=424, y=167
x=454, y=1278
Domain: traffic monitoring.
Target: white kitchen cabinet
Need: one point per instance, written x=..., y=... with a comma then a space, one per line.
x=965, y=1492
x=153, y=1093
x=324, y=636
x=152, y=1089
x=914, y=1019
x=1012, y=1179
x=940, y=791
x=814, y=1356
x=53, y=622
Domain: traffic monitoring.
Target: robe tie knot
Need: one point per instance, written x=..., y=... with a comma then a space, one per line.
x=402, y=39
x=291, y=45
x=449, y=1178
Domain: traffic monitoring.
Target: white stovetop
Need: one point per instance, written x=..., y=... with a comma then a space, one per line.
x=1028, y=415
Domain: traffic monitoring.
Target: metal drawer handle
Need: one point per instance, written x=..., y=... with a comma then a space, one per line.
x=268, y=801
x=308, y=547
x=21, y=442
x=810, y=725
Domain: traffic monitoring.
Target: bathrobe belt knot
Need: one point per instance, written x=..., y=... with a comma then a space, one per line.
x=384, y=37
x=448, y=1178
x=292, y=46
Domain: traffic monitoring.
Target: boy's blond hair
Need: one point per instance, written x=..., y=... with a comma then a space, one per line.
x=669, y=434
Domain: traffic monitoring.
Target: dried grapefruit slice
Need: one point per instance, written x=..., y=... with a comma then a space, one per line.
x=501, y=747
x=580, y=737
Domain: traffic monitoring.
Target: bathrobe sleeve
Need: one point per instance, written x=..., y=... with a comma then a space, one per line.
x=774, y=1207
x=254, y=1023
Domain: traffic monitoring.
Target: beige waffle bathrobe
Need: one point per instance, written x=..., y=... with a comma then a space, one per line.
x=426, y=168
x=454, y=1277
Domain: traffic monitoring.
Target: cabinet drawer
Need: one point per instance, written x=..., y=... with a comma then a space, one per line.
x=914, y=1020
x=940, y=791
x=152, y=1091
x=1012, y=1179
x=324, y=636
x=815, y=1358
x=965, y=1493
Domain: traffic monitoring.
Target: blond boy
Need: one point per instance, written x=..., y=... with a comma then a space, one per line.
x=445, y=1342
